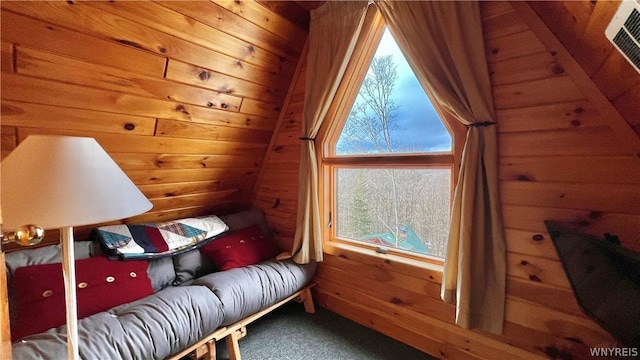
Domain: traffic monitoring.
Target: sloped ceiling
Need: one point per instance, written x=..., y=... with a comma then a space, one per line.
x=580, y=26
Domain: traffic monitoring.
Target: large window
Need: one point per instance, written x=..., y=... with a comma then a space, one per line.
x=388, y=159
x=398, y=208
x=392, y=113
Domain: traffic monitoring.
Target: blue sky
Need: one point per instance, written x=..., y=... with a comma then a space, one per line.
x=416, y=114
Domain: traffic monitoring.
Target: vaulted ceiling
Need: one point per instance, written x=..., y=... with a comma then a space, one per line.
x=580, y=26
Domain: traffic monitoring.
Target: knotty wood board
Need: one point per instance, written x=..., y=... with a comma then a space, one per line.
x=207, y=78
x=26, y=31
x=186, y=129
x=137, y=161
x=615, y=198
x=624, y=169
x=597, y=140
x=279, y=37
x=539, y=92
x=522, y=69
x=25, y=114
x=262, y=17
x=153, y=144
x=596, y=223
x=47, y=65
x=172, y=22
x=569, y=115
x=513, y=46
x=104, y=24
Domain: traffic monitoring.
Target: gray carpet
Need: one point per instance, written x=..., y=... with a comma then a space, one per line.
x=289, y=333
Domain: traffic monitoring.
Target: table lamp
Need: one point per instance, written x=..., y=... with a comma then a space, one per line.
x=58, y=182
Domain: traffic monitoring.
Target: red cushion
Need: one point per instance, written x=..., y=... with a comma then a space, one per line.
x=244, y=247
x=100, y=285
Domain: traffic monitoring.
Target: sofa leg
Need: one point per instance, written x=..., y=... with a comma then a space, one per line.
x=307, y=299
x=232, y=343
x=211, y=353
x=204, y=352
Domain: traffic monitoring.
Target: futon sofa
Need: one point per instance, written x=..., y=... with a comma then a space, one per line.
x=181, y=306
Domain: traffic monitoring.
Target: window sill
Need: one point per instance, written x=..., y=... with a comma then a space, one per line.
x=408, y=266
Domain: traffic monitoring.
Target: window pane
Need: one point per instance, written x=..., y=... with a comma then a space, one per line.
x=392, y=113
x=398, y=208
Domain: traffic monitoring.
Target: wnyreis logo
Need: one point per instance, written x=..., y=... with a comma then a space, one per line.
x=617, y=352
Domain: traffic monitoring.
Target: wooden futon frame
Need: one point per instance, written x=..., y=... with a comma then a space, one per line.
x=205, y=349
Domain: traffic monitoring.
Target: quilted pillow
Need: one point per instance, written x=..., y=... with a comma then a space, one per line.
x=101, y=284
x=240, y=248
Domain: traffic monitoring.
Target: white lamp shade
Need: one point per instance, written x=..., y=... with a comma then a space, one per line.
x=65, y=181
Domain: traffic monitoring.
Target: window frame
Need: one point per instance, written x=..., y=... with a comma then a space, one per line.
x=329, y=161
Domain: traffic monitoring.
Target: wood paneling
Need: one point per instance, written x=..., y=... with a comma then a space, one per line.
x=138, y=161
x=614, y=119
x=549, y=117
x=260, y=15
x=46, y=65
x=277, y=189
x=186, y=95
x=613, y=169
x=174, y=23
x=551, y=155
x=579, y=26
x=183, y=95
x=560, y=159
x=55, y=38
x=512, y=46
x=207, y=78
x=25, y=114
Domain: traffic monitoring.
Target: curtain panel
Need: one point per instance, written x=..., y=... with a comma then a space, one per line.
x=443, y=43
x=333, y=32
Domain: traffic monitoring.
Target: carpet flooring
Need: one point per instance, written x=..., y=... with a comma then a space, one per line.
x=289, y=333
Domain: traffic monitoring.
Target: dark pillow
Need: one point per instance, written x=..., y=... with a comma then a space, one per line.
x=240, y=248
x=100, y=285
x=191, y=265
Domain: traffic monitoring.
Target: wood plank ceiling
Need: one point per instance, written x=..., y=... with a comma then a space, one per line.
x=580, y=25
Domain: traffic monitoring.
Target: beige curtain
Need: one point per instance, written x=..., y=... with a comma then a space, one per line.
x=443, y=43
x=333, y=32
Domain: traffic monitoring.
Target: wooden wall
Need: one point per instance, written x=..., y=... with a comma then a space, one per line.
x=277, y=190
x=184, y=95
x=579, y=26
x=560, y=159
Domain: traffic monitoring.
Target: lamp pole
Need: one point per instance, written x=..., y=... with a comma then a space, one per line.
x=69, y=274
